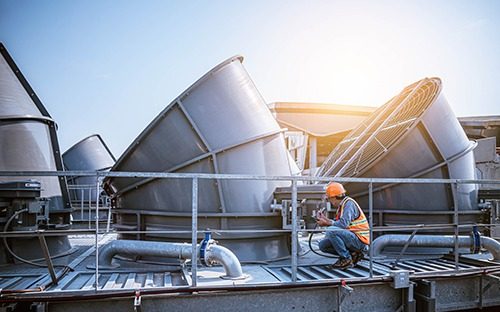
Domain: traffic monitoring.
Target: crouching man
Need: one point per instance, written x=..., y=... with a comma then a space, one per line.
x=348, y=235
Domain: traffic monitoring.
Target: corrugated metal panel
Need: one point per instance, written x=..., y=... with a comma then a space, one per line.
x=21, y=281
x=427, y=265
x=114, y=280
x=322, y=272
x=362, y=269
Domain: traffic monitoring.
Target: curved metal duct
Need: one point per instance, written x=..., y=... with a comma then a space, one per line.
x=414, y=135
x=220, y=124
x=28, y=133
x=28, y=142
x=89, y=154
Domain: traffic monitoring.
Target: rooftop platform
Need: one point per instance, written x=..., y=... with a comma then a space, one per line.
x=165, y=283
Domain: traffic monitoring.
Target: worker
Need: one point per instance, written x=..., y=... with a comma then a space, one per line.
x=348, y=235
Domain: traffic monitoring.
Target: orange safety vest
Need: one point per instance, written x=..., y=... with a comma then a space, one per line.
x=359, y=226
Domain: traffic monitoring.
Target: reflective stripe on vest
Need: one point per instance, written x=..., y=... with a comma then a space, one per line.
x=360, y=225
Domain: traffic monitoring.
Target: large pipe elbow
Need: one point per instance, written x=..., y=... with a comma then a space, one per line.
x=492, y=246
x=213, y=254
x=446, y=241
x=227, y=258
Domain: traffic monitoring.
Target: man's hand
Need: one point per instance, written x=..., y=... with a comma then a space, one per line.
x=321, y=220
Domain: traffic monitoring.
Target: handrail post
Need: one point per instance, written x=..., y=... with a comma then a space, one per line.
x=82, y=196
x=456, y=222
x=98, y=179
x=194, y=234
x=294, y=231
x=370, y=220
x=90, y=204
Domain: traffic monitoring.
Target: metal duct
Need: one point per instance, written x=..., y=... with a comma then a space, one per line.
x=28, y=133
x=28, y=142
x=89, y=154
x=446, y=241
x=414, y=135
x=220, y=124
x=213, y=253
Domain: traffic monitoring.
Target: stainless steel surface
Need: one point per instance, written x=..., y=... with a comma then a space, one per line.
x=25, y=133
x=218, y=125
x=224, y=256
x=492, y=246
x=89, y=154
x=294, y=241
x=26, y=145
x=19, y=281
x=29, y=143
x=14, y=99
x=211, y=176
x=98, y=187
x=382, y=270
x=141, y=248
x=414, y=135
x=273, y=278
x=433, y=241
x=323, y=272
x=194, y=229
x=214, y=253
x=114, y=280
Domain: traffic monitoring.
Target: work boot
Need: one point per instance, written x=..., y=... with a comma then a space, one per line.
x=356, y=256
x=342, y=263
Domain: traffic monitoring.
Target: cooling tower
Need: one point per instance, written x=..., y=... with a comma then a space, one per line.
x=28, y=136
x=414, y=135
x=220, y=124
x=28, y=142
x=89, y=154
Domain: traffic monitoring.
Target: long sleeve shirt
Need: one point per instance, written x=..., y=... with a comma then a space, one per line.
x=350, y=213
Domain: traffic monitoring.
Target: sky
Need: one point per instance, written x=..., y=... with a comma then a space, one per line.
x=109, y=67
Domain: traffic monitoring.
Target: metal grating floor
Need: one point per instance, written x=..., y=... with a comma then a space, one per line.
x=22, y=281
x=114, y=280
x=362, y=269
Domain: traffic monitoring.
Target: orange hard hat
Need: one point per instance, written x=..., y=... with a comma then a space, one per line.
x=334, y=189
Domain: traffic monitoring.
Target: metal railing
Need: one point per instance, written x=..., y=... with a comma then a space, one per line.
x=84, y=197
x=195, y=177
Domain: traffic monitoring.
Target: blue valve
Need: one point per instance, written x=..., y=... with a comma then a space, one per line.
x=476, y=240
x=203, y=247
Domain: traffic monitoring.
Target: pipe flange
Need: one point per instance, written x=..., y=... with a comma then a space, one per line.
x=476, y=240
x=241, y=277
x=204, y=245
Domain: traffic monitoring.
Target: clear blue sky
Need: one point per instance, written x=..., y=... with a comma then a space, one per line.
x=110, y=67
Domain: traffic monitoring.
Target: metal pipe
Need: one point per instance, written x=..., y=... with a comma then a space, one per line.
x=492, y=246
x=231, y=263
x=214, y=253
x=446, y=241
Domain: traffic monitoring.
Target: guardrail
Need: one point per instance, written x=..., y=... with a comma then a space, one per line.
x=195, y=177
x=83, y=196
